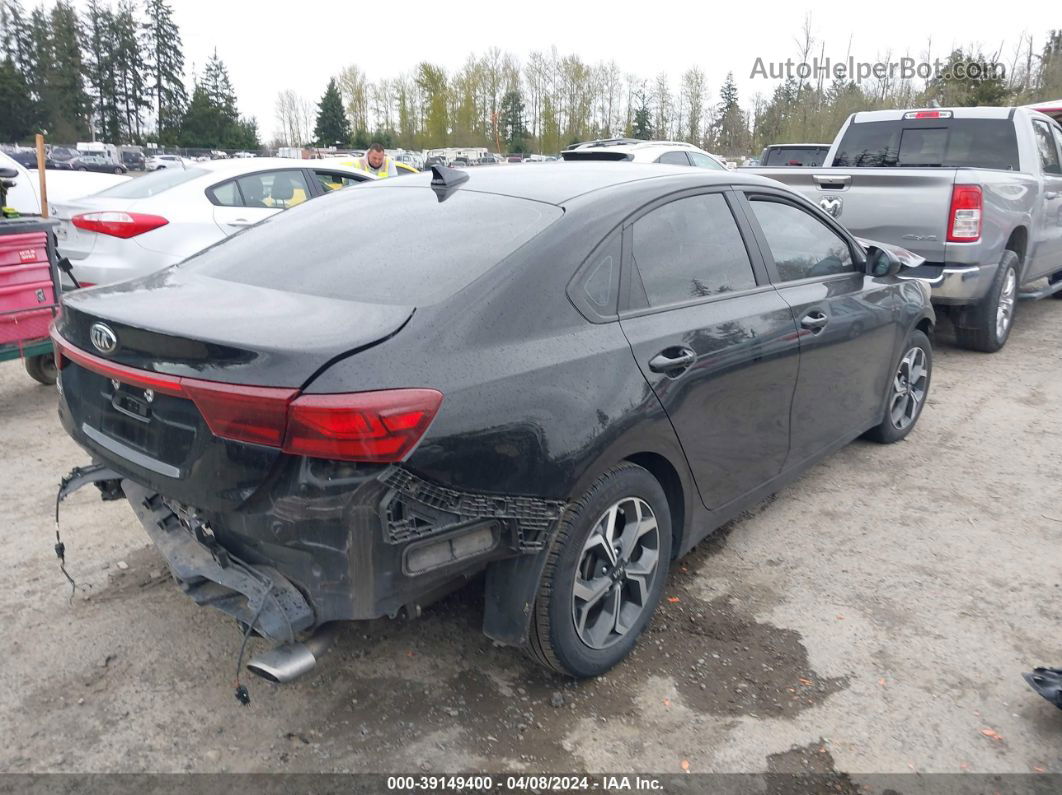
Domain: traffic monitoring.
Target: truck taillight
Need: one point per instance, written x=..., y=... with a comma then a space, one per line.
x=117, y=223
x=964, y=218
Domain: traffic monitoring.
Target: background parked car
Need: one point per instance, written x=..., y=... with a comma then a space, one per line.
x=322, y=401
x=160, y=218
x=977, y=192
x=673, y=153
x=156, y=162
x=63, y=185
x=133, y=160
x=98, y=163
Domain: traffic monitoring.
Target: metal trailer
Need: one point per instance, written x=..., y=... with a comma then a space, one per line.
x=30, y=292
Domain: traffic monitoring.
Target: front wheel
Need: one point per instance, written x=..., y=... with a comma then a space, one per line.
x=908, y=391
x=604, y=574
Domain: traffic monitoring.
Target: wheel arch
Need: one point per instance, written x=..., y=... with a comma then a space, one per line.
x=668, y=477
x=1018, y=242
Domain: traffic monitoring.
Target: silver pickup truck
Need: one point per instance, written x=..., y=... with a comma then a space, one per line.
x=977, y=192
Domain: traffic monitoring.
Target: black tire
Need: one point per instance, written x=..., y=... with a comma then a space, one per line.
x=555, y=640
x=42, y=368
x=1055, y=280
x=890, y=430
x=975, y=325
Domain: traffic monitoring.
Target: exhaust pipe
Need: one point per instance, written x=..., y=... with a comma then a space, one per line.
x=289, y=661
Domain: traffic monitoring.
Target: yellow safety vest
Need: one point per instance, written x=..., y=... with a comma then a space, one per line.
x=382, y=173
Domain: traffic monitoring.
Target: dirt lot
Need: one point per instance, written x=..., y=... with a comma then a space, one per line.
x=874, y=617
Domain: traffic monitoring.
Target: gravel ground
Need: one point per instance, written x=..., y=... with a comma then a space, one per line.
x=873, y=617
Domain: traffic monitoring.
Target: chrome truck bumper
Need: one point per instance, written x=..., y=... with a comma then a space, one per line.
x=954, y=285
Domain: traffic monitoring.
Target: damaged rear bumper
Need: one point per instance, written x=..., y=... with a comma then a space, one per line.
x=340, y=547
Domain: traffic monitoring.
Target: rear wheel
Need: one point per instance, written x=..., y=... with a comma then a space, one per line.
x=985, y=326
x=604, y=575
x=42, y=368
x=908, y=391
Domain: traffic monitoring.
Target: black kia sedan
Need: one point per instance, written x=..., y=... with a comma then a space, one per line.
x=563, y=378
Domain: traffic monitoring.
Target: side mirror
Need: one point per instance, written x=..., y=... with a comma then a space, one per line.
x=882, y=262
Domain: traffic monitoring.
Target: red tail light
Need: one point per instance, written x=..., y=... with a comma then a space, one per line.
x=117, y=223
x=964, y=218
x=379, y=426
x=252, y=414
x=360, y=426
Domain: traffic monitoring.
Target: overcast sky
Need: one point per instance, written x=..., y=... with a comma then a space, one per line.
x=269, y=45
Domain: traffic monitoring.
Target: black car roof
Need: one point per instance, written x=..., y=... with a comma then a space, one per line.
x=557, y=183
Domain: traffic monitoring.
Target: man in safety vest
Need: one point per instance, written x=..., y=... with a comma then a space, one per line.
x=375, y=161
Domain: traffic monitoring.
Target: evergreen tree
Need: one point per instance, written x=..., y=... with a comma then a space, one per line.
x=65, y=103
x=164, y=65
x=332, y=126
x=731, y=126
x=643, y=120
x=18, y=121
x=99, y=69
x=513, y=131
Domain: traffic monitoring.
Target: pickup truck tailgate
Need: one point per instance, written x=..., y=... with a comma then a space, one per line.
x=905, y=206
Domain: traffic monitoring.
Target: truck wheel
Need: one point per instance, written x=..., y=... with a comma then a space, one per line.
x=42, y=368
x=908, y=391
x=604, y=574
x=985, y=326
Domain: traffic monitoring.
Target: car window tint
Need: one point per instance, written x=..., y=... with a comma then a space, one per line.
x=1057, y=133
x=226, y=194
x=600, y=285
x=380, y=244
x=703, y=161
x=974, y=143
x=673, y=159
x=802, y=246
x=689, y=249
x=1045, y=145
x=330, y=180
x=276, y=190
x=152, y=184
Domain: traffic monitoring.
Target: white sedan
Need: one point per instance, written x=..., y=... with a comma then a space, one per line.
x=161, y=218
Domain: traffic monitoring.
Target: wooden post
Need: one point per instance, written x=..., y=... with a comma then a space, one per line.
x=40, y=173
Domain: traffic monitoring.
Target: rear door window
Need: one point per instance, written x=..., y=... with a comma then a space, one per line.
x=689, y=249
x=333, y=180
x=226, y=194
x=276, y=190
x=703, y=161
x=673, y=159
x=803, y=247
x=1046, y=147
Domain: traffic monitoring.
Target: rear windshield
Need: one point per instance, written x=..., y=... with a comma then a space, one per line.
x=379, y=244
x=152, y=184
x=930, y=143
x=796, y=156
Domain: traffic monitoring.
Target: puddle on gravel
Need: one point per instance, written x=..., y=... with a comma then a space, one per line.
x=806, y=769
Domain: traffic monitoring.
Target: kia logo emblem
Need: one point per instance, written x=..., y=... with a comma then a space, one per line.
x=831, y=205
x=103, y=339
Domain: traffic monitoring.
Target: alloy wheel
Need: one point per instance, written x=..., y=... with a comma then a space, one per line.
x=1005, y=308
x=909, y=388
x=617, y=568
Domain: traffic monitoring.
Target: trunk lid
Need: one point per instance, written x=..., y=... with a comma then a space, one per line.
x=226, y=331
x=77, y=244
x=141, y=421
